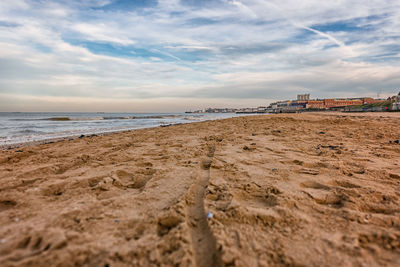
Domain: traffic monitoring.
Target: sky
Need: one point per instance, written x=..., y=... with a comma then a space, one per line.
x=172, y=56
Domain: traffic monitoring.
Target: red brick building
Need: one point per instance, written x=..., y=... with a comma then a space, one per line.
x=315, y=104
x=370, y=100
x=329, y=103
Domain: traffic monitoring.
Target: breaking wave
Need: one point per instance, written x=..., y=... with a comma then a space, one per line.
x=98, y=118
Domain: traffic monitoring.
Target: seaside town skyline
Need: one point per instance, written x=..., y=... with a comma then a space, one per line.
x=171, y=56
x=305, y=103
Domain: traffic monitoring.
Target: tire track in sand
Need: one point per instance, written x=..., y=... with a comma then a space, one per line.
x=203, y=241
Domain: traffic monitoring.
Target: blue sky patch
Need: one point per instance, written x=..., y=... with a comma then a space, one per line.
x=8, y=24
x=357, y=24
x=129, y=5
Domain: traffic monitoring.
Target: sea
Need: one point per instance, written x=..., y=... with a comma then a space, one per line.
x=22, y=127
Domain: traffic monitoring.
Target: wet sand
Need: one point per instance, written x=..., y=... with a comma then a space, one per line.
x=318, y=189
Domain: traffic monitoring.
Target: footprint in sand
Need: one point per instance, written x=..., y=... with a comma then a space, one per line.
x=136, y=180
x=7, y=204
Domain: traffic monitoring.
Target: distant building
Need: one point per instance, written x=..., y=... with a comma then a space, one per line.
x=370, y=100
x=396, y=103
x=283, y=104
x=303, y=97
x=304, y=102
x=274, y=105
x=315, y=104
x=332, y=103
x=329, y=103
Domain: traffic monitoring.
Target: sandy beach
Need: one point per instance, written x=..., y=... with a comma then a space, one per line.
x=317, y=189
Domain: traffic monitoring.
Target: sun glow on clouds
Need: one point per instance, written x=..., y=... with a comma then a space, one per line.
x=177, y=55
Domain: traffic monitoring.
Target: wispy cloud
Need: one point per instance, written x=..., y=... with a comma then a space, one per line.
x=228, y=51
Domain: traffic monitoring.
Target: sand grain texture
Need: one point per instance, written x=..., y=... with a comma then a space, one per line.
x=284, y=190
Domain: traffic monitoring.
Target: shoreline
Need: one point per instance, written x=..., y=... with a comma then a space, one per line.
x=72, y=137
x=65, y=138
x=290, y=189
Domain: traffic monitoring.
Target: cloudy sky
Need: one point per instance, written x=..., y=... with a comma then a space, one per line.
x=171, y=55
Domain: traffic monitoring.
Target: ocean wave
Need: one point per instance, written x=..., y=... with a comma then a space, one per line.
x=57, y=119
x=193, y=118
x=29, y=131
x=110, y=118
x=98, y=118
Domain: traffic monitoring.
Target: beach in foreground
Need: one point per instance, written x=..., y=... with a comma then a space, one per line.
x=318, y=189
